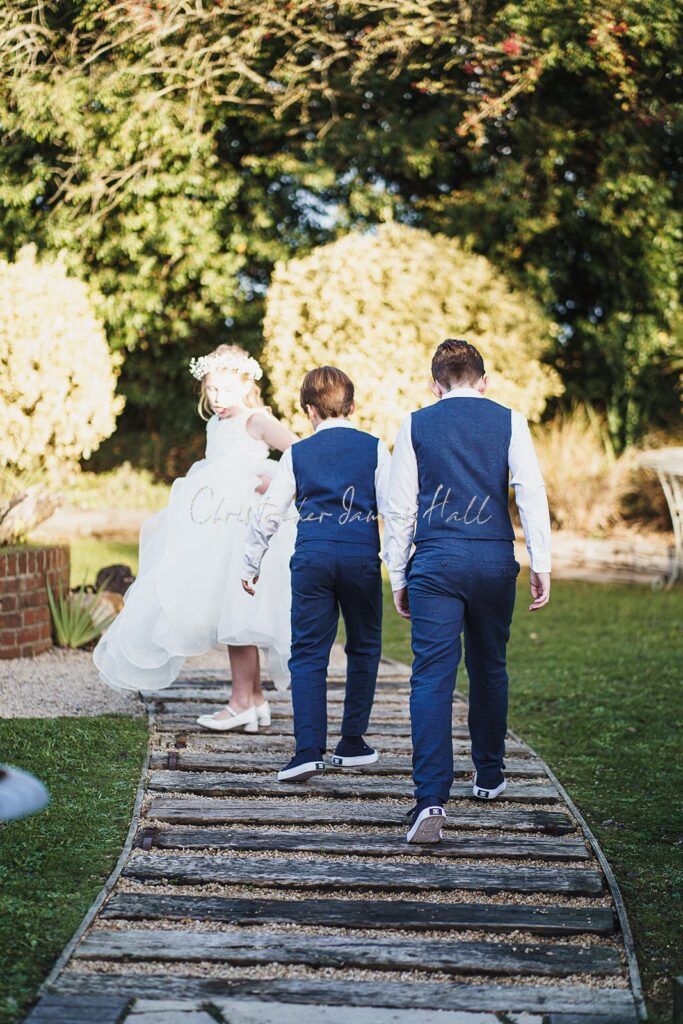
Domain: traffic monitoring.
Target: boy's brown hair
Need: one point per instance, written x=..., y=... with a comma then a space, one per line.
x=329, y=390
x=457, y=362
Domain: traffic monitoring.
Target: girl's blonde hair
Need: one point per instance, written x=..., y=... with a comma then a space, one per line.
x=252, y=400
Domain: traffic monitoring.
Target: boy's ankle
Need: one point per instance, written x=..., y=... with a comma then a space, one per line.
x=353, y=742
x=310, y=753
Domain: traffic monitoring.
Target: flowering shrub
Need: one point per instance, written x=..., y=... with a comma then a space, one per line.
x=57, y=376
x=585, y=479
x=377, y=305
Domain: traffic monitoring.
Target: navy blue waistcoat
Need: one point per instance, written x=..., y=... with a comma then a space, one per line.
x=334, y=471
x=461, y=445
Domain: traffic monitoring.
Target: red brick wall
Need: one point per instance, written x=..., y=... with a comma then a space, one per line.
x=25, y=623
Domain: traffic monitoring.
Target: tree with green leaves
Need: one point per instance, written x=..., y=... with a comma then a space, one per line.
x=176, y=152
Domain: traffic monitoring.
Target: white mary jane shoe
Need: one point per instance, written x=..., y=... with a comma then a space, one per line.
x=247, y=720
x=263, y=713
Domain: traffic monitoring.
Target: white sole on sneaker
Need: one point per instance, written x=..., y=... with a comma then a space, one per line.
x=301, y=772
x=488, y=794
x=354, y=762
x=428, y=825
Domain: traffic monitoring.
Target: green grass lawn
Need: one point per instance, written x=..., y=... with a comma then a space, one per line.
x=53, y=864
x=595, y=689
x=89, y=556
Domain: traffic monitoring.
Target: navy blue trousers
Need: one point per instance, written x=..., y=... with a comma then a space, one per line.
x=457, y=586
x=325, y=579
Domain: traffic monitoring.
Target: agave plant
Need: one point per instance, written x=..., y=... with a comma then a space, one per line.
x=74, y=616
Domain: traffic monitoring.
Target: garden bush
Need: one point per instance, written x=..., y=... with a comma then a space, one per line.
x=378, y=303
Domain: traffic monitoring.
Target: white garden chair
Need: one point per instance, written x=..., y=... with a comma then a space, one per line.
x=668, y=465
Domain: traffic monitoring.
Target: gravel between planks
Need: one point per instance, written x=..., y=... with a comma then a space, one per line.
x=281, y=893
x=511, y=938
x=272, y=971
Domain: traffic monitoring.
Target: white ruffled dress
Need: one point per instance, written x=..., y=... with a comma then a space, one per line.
x=188, y=596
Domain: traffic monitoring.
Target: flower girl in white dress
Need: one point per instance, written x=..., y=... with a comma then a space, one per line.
x=187, y=595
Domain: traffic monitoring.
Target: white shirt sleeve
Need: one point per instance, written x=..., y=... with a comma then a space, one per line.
x=530, y=493
x=401, y=507
x=382, y=477
x=267, y=515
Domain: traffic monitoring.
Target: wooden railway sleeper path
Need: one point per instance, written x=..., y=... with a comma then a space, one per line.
x=238, y=899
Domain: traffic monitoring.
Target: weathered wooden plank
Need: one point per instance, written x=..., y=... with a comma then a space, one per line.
x=370, y=845
x=338, y=812
x=78, y=1009
x=382, y=714
x=254, y=947
x=193, y=760
x=386, y=714
x=365, y=914
x=327, y=874
x=390, y=671
x=187, y=722
x=281, y=703
x=613, y=1003
x=257, y=742
x=207, y=689
x=331, y=784
x=254, y=742
x=391, y=677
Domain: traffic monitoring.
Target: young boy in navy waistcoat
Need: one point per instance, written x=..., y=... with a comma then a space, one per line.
x=337, y=479
x=452, y=467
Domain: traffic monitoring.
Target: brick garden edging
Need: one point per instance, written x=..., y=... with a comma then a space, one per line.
x=25, y=622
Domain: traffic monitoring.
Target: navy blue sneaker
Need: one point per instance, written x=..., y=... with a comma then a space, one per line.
x=353, y=752
x=493, y=788
x=302, y=766
x=428, y=819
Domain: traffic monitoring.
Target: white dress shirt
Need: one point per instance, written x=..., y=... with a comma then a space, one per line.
x=526, y=478
x=276, y=503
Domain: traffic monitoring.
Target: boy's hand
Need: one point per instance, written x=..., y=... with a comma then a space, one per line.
x=401, y=602
x=264, y=484
x=540, y=589
x=249, y=587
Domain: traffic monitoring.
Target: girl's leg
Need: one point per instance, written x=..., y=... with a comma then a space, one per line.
x=254, y=667
x=246, y=684
x=244, y=664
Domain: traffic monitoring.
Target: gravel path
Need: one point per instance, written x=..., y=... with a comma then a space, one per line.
x=62, y=683
x=59, y=684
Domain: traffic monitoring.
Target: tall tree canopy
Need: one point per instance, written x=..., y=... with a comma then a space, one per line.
x=176, y=151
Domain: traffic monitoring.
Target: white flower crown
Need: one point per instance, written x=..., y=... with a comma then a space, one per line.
x=225, y=361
